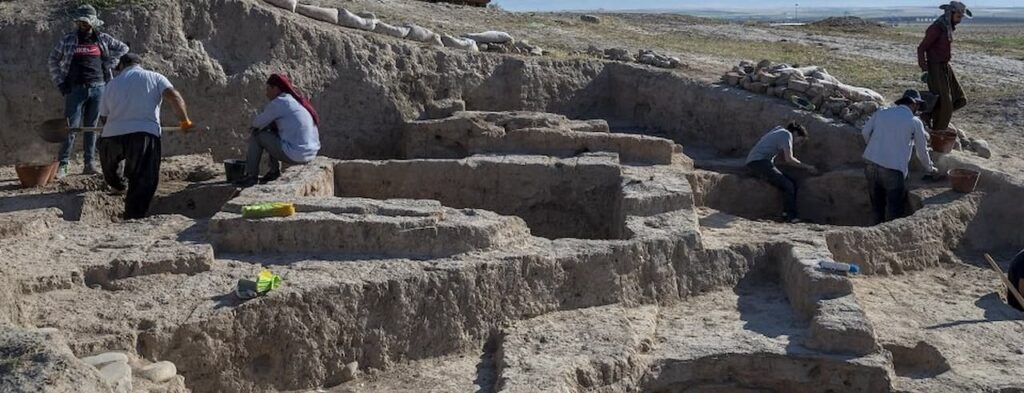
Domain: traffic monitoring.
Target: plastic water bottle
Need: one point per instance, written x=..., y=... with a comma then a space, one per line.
x=839, y=267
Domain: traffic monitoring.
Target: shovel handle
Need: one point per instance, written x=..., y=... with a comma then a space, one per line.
x=100, y=129
x=1006, y=281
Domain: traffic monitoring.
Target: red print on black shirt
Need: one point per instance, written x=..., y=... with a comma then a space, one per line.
x=87, y=50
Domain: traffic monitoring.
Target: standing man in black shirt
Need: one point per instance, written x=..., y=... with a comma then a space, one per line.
x=81, y=65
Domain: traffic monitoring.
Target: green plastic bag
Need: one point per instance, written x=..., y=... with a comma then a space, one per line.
x=267, y=281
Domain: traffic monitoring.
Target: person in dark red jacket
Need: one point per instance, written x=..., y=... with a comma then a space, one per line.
x=933, y=57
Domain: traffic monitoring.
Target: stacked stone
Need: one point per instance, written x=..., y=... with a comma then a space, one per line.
x=645, y=56
x=830, y=97
x=521, y=48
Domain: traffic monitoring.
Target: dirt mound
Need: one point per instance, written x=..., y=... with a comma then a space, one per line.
x=848, y=23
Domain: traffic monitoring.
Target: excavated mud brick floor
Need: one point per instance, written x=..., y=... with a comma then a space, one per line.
x=531, y=253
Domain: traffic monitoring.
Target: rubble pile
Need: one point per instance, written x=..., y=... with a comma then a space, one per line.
x=644, y=56
x=811, y=88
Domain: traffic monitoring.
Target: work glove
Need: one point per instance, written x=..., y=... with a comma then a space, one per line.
x=64, y=88
x=186, y=125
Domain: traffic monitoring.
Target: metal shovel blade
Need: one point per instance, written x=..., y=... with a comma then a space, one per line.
x=54, y=131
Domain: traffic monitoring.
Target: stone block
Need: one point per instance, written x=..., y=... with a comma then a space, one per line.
x=799, y=85
x=840, y=326
x=759, y=88
x=444, y=108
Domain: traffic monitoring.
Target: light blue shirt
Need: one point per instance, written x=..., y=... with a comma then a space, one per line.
x=892, y=134
x=131, y=102
x=770, y=145
x=300, y=138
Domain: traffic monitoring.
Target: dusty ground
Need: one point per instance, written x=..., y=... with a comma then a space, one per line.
x=960, y=312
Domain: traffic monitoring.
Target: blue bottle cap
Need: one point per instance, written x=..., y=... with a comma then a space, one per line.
x=854, y=268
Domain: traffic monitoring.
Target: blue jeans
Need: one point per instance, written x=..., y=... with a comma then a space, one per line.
x=82, y=109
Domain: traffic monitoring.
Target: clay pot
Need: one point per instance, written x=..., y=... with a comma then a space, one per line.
x=942, y=141
x=963, y=180
x=36, y=175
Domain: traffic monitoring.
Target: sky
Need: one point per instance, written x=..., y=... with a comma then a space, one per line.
x=554, y=5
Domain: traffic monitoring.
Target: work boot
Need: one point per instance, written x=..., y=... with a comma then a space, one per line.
x=246, y=182
x=89, y=169
x=270, y=176
x=62, y=171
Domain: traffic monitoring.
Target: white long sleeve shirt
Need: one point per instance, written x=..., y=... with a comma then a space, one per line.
x=300, y=138
x=892, y=135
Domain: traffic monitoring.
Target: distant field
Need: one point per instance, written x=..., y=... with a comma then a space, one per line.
x=999, y=39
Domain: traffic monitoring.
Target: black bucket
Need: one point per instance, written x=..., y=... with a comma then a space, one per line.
x=234, y=169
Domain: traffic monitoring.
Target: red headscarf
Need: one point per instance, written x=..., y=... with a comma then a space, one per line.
x=282, y=82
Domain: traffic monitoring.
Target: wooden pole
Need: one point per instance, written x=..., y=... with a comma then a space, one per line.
x=1006, y=281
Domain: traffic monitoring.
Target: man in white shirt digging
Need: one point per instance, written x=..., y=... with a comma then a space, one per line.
x=130, y=111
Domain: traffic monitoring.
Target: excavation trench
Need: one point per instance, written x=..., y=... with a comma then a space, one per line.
x=838, y=198
x=195, y=194
x=570, y=198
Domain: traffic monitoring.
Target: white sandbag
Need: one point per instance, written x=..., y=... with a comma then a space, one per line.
x=389, y=30
x=859, y=94
x=459, y=43
x=318, y=13
x=436, y=41
x=491, y=37
x=348, y=19
x=824, y=76
x=286, y=4
x=419, y=34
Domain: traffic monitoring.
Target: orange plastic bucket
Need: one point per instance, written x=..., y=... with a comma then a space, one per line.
x=942, y=142
x=963, y=180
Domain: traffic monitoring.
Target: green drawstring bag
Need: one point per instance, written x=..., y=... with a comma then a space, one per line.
x=265, y=282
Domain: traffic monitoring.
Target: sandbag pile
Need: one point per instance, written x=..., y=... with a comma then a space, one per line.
x=329, y=15
x=409, y=31
x=645, y=56
x=656, y=59
x=521, y=48
x=502, y=42
x=829, y=96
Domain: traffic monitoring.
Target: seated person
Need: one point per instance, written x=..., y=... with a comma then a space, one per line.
x=1016, y=275
x=287, y=130
x=761, y=163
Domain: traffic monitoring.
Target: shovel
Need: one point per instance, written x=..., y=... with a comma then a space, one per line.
x=57, y=130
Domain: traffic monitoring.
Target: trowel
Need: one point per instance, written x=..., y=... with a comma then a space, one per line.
x=57, y=130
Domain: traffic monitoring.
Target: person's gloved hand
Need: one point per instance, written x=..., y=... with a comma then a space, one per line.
x=186, y=125
x=64, y=88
